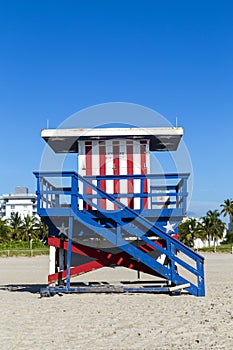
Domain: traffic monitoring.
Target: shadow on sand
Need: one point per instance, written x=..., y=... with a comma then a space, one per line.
x=30, y=288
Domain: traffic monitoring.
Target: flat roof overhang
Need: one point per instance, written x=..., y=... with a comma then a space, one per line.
x=66, y=140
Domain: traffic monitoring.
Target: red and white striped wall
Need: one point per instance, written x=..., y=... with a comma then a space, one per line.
x=116, y=157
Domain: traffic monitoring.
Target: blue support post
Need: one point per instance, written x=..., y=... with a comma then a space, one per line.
x=74, y=191
x=84, y=194
x=98, y=196
x=200, y=278
x=141, y=191
x=38, y=195
x=184, y=190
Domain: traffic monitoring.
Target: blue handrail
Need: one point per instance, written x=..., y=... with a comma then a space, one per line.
x=175, y=194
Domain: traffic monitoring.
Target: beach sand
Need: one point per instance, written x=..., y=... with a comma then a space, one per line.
x=113, y=321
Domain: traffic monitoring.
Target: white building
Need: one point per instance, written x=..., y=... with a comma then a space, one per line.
x=21, y=201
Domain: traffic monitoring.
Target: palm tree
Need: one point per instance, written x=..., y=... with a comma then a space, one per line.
x=217, y=229
x=28, y=226
x=211, y=217
x=4, y=231
x=41, y=231
x=16, y=226
x=187, y=231
x=227, y=209
x=214, y=226
x=213, y=213
x=204, y=229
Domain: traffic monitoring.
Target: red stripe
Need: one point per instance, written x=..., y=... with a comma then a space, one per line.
x=130, y=187
x=116, y=168
x=88, y=153
x=102, y=159
x=144, y=170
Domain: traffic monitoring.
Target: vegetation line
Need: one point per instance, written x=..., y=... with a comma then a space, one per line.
x=209, y=228
x=28, y=233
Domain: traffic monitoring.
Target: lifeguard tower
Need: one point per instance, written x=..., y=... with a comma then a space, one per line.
x=111, y=211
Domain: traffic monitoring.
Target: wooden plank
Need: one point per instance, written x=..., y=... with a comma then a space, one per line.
x=180, y=286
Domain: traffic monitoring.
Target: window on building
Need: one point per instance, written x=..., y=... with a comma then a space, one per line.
x=12, y=206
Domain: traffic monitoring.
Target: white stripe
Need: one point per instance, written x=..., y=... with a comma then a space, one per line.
x=148, y=169
x=95, y=158
x=81, y=159
x=81, y=168
x=109, y=171
x=52, y=260
x=123, y=170
x=95, y=164
x=136, y=170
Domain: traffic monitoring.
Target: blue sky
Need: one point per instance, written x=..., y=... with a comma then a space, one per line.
x=176, y=57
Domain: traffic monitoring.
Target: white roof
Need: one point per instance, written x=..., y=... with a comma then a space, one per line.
x=66, y=140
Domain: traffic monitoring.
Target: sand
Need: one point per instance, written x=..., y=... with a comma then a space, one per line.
x=113, y=321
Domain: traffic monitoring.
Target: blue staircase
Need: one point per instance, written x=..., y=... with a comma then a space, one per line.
x=79, y=202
